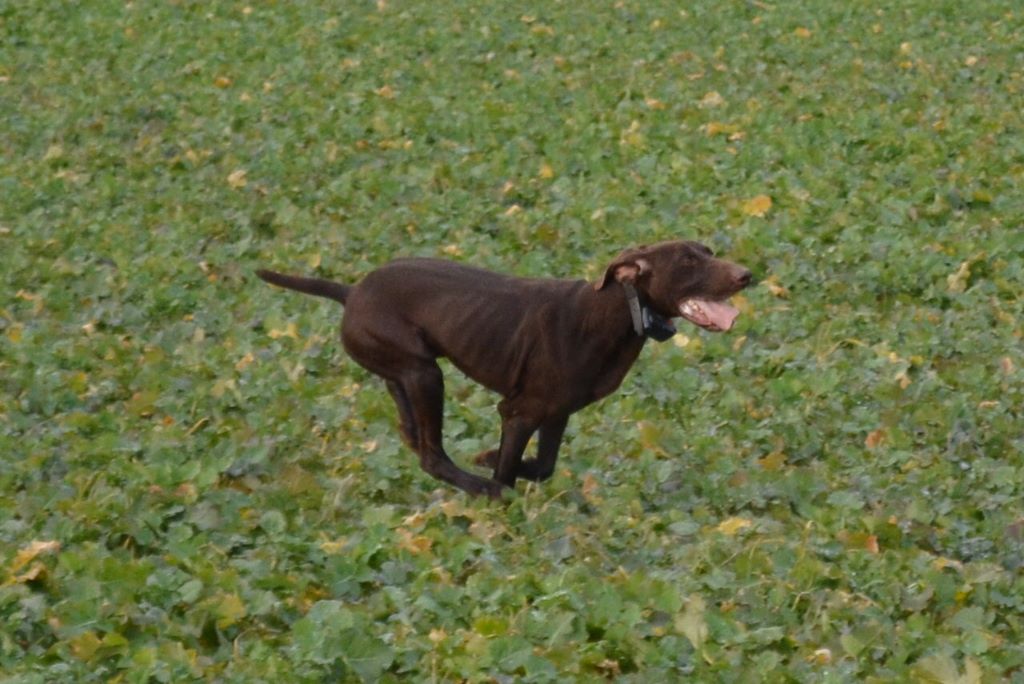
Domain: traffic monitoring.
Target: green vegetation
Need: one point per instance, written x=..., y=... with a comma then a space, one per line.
x=197, y=485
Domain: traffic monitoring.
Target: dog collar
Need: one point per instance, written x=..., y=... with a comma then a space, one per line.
x=647, y=323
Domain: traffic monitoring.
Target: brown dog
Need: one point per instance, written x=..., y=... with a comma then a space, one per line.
x=548, y=347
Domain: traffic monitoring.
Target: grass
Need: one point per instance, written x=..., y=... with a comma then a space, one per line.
x=197, y=484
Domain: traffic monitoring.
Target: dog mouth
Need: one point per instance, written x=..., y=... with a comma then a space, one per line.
x=708, y=314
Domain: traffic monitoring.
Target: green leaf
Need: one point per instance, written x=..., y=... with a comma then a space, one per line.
x=190, y=590
x=367, y=656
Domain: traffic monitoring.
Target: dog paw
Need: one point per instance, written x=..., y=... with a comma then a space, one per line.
x=487, y=459
x=495, y=490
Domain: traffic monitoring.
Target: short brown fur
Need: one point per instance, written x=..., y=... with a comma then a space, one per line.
x=548, y=347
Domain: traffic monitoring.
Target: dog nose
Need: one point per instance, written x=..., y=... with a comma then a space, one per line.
x=744, y=278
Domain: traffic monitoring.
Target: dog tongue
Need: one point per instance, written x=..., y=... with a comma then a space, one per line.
x=708, y=314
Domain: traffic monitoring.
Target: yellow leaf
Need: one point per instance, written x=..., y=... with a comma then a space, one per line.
x=802, y=32
x=437, y=635
x=871, y=543
x=333, y=546
x=772, y=461
x=858, y=540
x=452, y=250
x=30, y=552
x=589, y=489
x=654, y=103
x=415, y=519
x=141, y=402
x=772, y=283
x=972, y=671
x=731, y=526
x=14, y=334
x=244, y=361
x=485, y=530
x=632, y=136
x=220, y=387
x=289, y=331
x=78, y=382
x=650, y=435
x=414, y=544
x=386, y=91
x=85, y=645
x=33, y=573
x=691, y=623
x=187, y=492
x=546, y=172
x=957, y=282
x=313, y=260
x=939, y=668
x=941, y=563
x=453, y=508
x=875, y=438
x=237, y=179
x=229, y=610
x=757, y=206
x=222, y=82
x=712, y=99
x=714, y=128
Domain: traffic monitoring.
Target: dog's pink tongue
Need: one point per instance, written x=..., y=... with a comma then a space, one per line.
x=717, y=316
x=720, y=314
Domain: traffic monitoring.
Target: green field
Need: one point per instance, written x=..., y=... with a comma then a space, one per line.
x=196, y=484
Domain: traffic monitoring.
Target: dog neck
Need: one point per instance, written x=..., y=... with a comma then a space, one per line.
x=647, y=322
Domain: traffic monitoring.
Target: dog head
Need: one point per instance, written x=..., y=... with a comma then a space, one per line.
x=681, y=278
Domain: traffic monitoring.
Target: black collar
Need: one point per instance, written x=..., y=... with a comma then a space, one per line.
x=647, y=323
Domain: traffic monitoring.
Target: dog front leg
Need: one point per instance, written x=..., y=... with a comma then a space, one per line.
x=543, y=467
x=515, y=434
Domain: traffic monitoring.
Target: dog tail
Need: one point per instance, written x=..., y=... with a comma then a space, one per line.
x=313, y=286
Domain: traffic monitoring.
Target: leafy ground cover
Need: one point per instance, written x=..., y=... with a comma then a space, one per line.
x=197, y=485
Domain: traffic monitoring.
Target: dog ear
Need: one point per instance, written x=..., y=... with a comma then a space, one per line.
x=625, y=268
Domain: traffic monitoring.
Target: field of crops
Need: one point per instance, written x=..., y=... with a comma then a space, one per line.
x=197, y=484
